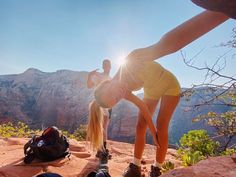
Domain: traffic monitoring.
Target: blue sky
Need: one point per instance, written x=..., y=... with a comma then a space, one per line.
x=77, y=35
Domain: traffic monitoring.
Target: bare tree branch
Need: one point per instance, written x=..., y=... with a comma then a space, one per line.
x=208, y=69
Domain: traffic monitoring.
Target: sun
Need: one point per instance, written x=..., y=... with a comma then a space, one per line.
x=121, y=60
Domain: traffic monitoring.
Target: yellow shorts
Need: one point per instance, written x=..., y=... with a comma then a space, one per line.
x=165, y=84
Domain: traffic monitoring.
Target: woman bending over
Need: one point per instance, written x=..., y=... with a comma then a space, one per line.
x=159, y=84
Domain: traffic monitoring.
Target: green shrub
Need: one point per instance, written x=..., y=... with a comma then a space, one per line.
x=67, y=134
x=168, y=165
x=19, y=130
x=195, y=146
x=190, y=158
x=79, y=134
x=228, y=152
x=22, y=130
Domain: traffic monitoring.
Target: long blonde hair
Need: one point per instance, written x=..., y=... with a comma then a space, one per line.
x=95, y=120
x=95, y=125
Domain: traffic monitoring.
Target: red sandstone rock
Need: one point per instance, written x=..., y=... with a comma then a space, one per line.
x=83, y=161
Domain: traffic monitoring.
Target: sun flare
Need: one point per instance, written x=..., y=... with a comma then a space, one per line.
x=121, y=60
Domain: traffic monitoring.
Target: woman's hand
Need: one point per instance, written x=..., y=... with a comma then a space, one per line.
x=94, y=72
x=145, y=114
x=155, y=139
x=90, y=82
x=143, y=54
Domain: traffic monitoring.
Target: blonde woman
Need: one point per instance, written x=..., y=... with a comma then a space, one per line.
x=94, y=78
x=159, y=84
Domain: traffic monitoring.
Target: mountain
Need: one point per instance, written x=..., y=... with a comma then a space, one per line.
x=42, y=99
x=61, y=98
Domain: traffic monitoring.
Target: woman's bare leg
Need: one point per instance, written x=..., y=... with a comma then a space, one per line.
x=105, y=127
x=141, y=128
x=168, y=105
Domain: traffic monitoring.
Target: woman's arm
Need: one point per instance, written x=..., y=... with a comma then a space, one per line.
x=90, y=83
x=180, y=36
x=145, y=114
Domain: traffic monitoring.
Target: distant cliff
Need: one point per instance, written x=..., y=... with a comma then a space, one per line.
x=61, y=98
x=41, y=99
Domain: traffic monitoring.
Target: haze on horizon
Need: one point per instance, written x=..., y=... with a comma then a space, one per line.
x=74, y=35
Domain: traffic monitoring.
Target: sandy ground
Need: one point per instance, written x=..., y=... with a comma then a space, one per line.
x=81, y=162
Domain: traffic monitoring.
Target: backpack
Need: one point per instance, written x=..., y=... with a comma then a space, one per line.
x=51, y=145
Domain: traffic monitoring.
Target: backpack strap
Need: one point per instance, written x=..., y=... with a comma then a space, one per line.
x=27, y=148
x=28, y=151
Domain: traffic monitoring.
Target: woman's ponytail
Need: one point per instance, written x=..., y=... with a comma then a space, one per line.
x=95, y=125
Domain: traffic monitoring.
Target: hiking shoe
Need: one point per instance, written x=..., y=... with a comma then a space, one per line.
x=132, y=171
x=155, y=171
x=103, y=156
x=101, y=152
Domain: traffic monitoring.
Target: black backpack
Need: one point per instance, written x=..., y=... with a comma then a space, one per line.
x=51, y=145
